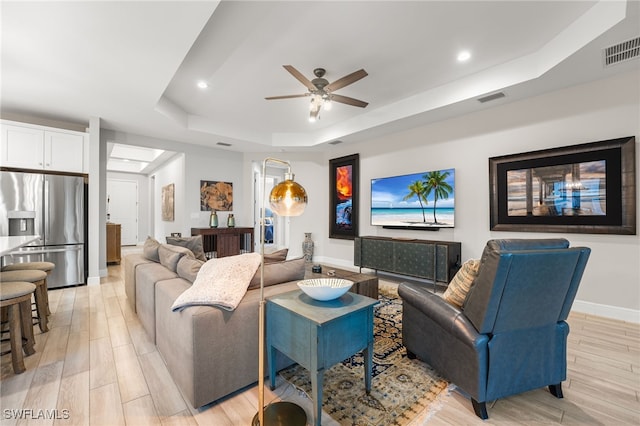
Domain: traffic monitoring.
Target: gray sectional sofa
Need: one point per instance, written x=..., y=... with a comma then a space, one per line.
x=210, y=352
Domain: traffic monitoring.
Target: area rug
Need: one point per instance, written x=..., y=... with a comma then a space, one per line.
x=402, y=390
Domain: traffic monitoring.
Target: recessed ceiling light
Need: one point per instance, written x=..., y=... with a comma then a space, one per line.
x=203, y=84
x=463, y=56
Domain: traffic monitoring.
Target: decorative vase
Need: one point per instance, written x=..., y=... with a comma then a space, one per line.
x=231, y=221
x=213, y=220
x=307, y=247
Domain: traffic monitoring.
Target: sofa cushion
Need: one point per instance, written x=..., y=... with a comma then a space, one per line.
x=459, y=287
x=150, y=249
x=276, y=256
x=170, y=255
x=131, y=262
x=221, y=282
x=192, y=243
x=147, y=276
x=208, y=351
x=188, y=268
x=280, y=272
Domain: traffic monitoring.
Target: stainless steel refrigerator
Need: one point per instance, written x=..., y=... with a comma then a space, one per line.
x=52, y=206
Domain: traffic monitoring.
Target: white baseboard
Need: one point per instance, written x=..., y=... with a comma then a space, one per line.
x=93, y=280
x=607, y=311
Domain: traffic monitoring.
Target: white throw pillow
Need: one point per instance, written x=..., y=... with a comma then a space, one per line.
x=220, y=282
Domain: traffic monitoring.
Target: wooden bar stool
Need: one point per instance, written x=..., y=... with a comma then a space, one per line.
x=15, y=296
x=40, y=266
x=39, y=279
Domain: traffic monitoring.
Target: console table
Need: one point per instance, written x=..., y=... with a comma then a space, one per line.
x=433, y=260
x=221, y=242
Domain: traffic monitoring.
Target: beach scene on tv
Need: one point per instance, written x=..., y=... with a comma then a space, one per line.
x=416, y=200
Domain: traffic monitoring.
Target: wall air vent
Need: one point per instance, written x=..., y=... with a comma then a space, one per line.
x=622, y=52
x=491, y=97
x=223, y=144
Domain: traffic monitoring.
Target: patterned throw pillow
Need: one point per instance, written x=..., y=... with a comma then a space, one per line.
x=460, y=285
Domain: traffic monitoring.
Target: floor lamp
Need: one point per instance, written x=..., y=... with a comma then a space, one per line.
x=287, y=198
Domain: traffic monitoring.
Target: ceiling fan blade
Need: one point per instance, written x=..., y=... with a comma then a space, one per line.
x=301, y=78
x=346, y=80
x=349, y=101
x=270, y=98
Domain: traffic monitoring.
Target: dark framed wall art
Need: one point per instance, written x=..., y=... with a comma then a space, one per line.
x=588, y=188
x=343, y=198
x=215, y=195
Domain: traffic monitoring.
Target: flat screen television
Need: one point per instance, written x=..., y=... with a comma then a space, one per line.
x=415, y=201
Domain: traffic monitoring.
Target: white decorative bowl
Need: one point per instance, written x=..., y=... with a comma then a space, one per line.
x=325, y=288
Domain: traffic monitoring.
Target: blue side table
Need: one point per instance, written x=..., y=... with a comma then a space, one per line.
x=319, y=334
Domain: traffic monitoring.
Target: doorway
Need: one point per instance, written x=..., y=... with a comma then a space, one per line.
x=276, y=227
x=122, y=208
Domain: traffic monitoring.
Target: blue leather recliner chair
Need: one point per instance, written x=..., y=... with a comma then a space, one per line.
x=511, y=334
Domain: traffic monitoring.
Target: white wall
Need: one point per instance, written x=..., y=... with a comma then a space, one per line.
x=215, y=165
x=587, y=113
x=172, y=172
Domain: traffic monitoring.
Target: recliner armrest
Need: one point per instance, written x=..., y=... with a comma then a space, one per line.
x=445, y=315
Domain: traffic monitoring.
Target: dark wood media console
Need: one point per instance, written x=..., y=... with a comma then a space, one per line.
x=437, y=261
x=221, y=242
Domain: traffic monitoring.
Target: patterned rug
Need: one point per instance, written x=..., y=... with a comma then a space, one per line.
x=401, y=390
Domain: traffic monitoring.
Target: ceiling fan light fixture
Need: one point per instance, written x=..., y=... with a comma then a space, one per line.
x=321, y=91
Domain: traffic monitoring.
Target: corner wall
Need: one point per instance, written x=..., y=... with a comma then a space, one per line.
x=198, y=163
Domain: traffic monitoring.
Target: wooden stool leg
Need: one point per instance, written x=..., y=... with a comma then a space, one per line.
x=15, y=332
x=27, y=327
x=4, y=318
x=46, y=293
x=41, y=307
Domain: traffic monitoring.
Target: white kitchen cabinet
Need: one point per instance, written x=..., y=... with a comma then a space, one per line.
x=42, y=148
x=63, y=151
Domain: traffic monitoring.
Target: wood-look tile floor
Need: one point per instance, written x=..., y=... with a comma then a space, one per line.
x=96, y=366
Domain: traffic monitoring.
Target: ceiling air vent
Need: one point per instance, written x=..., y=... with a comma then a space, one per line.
x=223, y=144
x=335, y=142
x=622, y=52
x=491, y=97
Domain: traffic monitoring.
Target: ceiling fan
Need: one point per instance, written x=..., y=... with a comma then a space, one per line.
x=321, y=91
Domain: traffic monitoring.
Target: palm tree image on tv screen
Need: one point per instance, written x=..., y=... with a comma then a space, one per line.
x=419, y=200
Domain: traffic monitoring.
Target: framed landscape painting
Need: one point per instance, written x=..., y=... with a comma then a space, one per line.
x=343, y=197
x=588, y=188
